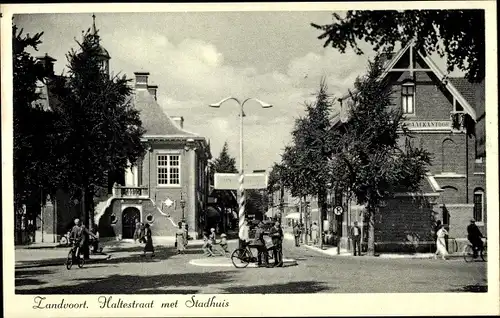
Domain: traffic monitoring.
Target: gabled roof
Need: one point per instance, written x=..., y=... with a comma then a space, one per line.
x=154, y=120
x=465, y=101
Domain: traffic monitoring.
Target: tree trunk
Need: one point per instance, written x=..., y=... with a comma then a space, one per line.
x=371, y=231
x=306, y=224
x=321, y=210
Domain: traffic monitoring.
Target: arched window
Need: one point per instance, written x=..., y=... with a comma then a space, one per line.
x=447, y=155
x=478, y=204
x=408, y=98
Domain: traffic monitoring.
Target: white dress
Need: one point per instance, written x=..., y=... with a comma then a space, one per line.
x=441, y=243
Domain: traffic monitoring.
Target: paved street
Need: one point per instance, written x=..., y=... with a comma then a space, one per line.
x=41, y=271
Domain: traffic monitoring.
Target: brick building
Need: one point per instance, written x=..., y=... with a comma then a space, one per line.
x=442, y=115
x=170, y=184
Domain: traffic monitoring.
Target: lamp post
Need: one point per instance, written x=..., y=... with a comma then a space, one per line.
x=241, y=202
x=183, y=205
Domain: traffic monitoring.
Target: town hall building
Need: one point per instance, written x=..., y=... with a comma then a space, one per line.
x=169, y=185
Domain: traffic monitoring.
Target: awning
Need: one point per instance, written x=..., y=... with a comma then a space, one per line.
x=293, y=216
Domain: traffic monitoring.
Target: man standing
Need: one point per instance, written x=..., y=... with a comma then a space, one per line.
x=474, y=236
x=276, y=234
x=356, y=238
x=260, y=244
x=296, y=234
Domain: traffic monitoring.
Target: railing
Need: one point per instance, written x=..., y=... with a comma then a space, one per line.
x=122, y=191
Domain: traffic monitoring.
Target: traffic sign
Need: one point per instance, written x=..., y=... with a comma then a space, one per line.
x=338, y=210
x=230, y=181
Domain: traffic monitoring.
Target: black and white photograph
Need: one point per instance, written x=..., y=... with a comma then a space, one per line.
x=176, y=158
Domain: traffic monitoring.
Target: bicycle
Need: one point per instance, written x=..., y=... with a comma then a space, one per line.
x=468, y=252
x=241, y=257
x=74, y=256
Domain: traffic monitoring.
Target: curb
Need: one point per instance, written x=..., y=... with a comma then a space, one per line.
x=204, y=263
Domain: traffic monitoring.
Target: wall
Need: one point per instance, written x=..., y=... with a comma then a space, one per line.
x=188, y=183
x=160, y=224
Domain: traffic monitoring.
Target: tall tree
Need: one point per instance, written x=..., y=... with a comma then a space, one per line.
x=367, y=158
x=304, y=161
x=102, y=129
x=34, y=151
x=458, y=34
x=224, y=164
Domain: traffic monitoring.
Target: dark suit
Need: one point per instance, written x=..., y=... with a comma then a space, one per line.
x=277, y=237
x=356, y=239
x=474, y=236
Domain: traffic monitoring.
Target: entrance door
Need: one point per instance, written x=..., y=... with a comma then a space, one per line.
x=129, y=217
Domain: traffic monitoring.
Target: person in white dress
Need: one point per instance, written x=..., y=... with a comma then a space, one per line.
x=441, y=243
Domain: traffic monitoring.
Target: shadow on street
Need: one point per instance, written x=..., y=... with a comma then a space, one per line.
x=286, y=288
x=132, y=284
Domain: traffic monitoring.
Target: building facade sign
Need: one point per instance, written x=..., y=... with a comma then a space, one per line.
x=428, y=125
x=230, y=181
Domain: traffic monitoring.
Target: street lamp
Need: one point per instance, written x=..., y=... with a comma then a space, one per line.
x=183, y=205
x=241, y=212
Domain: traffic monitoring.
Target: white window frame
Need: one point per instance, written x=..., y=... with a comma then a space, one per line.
x=480, y=192
x=168, y=167
x=404, y=96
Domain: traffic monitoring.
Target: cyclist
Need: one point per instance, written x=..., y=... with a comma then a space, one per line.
x=475, y=236
x=80, y=236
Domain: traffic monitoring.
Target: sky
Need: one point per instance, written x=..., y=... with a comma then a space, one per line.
x=199, y=58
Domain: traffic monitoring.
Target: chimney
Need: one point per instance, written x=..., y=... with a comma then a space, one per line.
x=48, y=64
x=152, y=90
x=178, y=120
x=141, y=80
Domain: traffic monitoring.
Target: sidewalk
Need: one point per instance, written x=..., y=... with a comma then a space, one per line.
x=221, y=261
x=332, y=251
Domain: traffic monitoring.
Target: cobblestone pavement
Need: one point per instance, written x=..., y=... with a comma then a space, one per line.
x=42, y=271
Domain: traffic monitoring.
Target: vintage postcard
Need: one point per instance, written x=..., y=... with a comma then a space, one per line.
x=312, y=159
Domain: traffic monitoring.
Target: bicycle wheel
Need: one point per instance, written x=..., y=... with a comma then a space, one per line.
x=69, y=260
x=240, y=258
x=468, y=253
x=81, y=261
x=484, y=254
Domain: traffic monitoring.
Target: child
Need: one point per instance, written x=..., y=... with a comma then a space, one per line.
x=207, y=247
x=223, y=242
x=212, y=236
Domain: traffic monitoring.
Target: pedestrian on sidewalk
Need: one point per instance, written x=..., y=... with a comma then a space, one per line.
x=276, y=233
x=149, y=241
x=314, y=233
x=440, y=243
x=179, y=239
x=296, y=234
x=356, y=238
x=137, y=232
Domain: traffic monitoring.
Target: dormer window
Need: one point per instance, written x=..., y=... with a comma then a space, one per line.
x=408, y=98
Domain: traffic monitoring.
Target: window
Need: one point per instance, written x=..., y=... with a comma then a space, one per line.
x=150, y=218
x=408, y=98
x=448, y=152
x=478, y=205
x=168, y=170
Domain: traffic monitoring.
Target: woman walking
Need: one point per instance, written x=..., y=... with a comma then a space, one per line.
x=179, y=239
x=441, y=242
x=149, y=241
x=137, y=232
x=314, y=233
